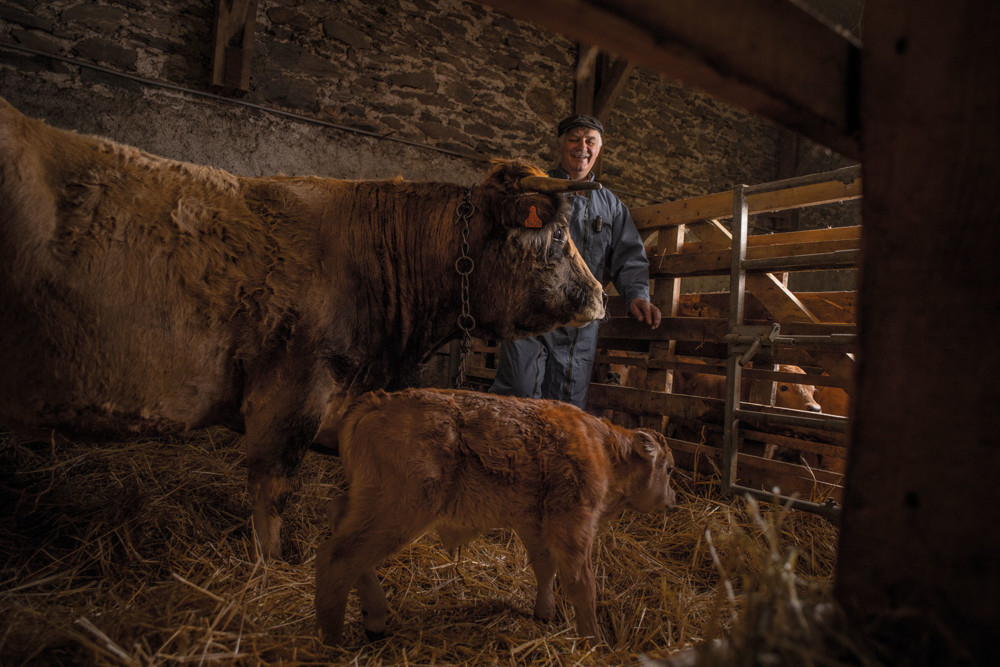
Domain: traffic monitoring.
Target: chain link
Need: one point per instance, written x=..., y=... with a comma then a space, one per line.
x=464, y=266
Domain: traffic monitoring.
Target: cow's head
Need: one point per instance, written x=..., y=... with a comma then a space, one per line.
x=530, y=277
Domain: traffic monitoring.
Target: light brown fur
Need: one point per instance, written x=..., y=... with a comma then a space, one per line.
x=788, y=395
x=464, y=463
x=146, y=296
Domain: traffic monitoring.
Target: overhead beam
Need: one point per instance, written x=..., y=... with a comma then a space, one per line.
x=766, y=56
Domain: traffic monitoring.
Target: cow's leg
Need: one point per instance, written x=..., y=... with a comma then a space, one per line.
x=273, y=460
x=544, y=567
x=335, y=510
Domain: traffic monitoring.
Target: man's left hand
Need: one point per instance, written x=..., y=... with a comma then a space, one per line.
x=644, y=311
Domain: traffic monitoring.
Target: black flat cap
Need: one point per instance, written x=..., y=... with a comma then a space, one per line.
x=579, y=120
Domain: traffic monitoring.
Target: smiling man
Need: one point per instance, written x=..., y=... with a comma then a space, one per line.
x=558, y=364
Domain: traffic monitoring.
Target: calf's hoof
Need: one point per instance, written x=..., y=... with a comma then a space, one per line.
x=330, y=638
x=374, y=626
x=375, y=635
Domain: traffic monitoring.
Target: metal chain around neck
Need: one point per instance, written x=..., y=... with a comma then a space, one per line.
x=464, y=265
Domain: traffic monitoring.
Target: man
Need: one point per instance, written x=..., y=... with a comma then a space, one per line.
x=558, y=364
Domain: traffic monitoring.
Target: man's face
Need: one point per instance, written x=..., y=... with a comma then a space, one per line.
x=578, y=149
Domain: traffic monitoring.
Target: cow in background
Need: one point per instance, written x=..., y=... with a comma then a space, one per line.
x=833, y=400
x=144, y=296
x=466, y=463
x=788, y=395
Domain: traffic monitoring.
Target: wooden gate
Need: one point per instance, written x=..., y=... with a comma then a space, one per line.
x=742, y=334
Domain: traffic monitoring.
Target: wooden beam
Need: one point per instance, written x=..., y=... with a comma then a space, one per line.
x=719, y=206
x=612, y=83
x=914, y=552
x=232, y=43
x=783, y=305
x=586, y=78
x=766, y=56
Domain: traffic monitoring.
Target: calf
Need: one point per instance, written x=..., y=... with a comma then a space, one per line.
x=833, y=400
x=789, y=394
x=465, y=463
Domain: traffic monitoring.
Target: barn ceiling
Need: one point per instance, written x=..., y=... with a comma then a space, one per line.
x=773, y=58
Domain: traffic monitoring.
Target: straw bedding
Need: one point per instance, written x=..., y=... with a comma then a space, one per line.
x=141, y=553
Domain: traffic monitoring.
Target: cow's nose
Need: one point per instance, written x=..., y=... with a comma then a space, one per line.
x=814, y=408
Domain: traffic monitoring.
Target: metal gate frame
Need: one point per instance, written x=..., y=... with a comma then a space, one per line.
x=743, y=342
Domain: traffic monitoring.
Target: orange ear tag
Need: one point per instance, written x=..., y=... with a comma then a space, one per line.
x=533, y=220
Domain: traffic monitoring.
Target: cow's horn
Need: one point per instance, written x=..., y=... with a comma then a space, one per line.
x=545, y=184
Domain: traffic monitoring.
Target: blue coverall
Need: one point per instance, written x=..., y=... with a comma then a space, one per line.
x=558, y=364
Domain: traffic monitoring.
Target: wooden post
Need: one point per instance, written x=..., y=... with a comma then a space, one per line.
x=916, y=550
x=232, y=43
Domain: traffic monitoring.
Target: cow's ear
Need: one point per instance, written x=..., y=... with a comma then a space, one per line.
x=645, y=445
x=532, y=211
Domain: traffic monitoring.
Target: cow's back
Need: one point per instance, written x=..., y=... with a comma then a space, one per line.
x=127, y=284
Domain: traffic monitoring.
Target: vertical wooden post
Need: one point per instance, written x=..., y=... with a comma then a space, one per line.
x=232, y=40
x=666, y=294
x=914, y=548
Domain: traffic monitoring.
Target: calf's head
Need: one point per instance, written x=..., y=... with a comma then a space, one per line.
x=529, y=277
x=795, y=396
x=645, y=469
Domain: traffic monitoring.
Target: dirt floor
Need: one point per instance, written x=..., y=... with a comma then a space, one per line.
x=141, y=553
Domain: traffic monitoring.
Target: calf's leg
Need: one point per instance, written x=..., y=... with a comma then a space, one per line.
x=373, y=605
x=571, y=546
x=545, y=573
x=360, y=540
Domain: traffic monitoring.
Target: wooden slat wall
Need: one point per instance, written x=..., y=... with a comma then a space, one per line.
x=644, y=360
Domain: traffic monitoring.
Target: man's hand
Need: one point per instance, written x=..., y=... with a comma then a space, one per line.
x=644, y=311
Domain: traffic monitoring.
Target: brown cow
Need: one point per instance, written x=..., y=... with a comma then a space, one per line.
x=465, y=463
x=788, y=395
x=833, y=400
x=146, y=296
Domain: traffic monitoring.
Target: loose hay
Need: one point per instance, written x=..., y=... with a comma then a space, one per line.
x=141, y=554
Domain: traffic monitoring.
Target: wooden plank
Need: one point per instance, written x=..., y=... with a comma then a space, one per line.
x=764, y=474
x=780, y=302
x=704, y=329
x=767, y=56
x=717, y=262
x=654, y=403
x=829, y=307
x=719, y=206
x=232, y=43
x=811, y=446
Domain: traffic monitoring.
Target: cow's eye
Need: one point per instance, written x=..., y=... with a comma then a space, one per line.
x=782, y=387
x=559, y=235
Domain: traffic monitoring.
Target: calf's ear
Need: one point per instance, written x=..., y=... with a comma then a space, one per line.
x=645, y=445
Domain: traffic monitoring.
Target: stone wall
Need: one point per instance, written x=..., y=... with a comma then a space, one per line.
x=426, y=89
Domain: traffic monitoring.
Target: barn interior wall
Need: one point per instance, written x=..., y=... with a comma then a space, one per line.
x=436, y=87
x=433, y=90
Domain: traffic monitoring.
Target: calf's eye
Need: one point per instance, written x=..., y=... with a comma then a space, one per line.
x=558, y=235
